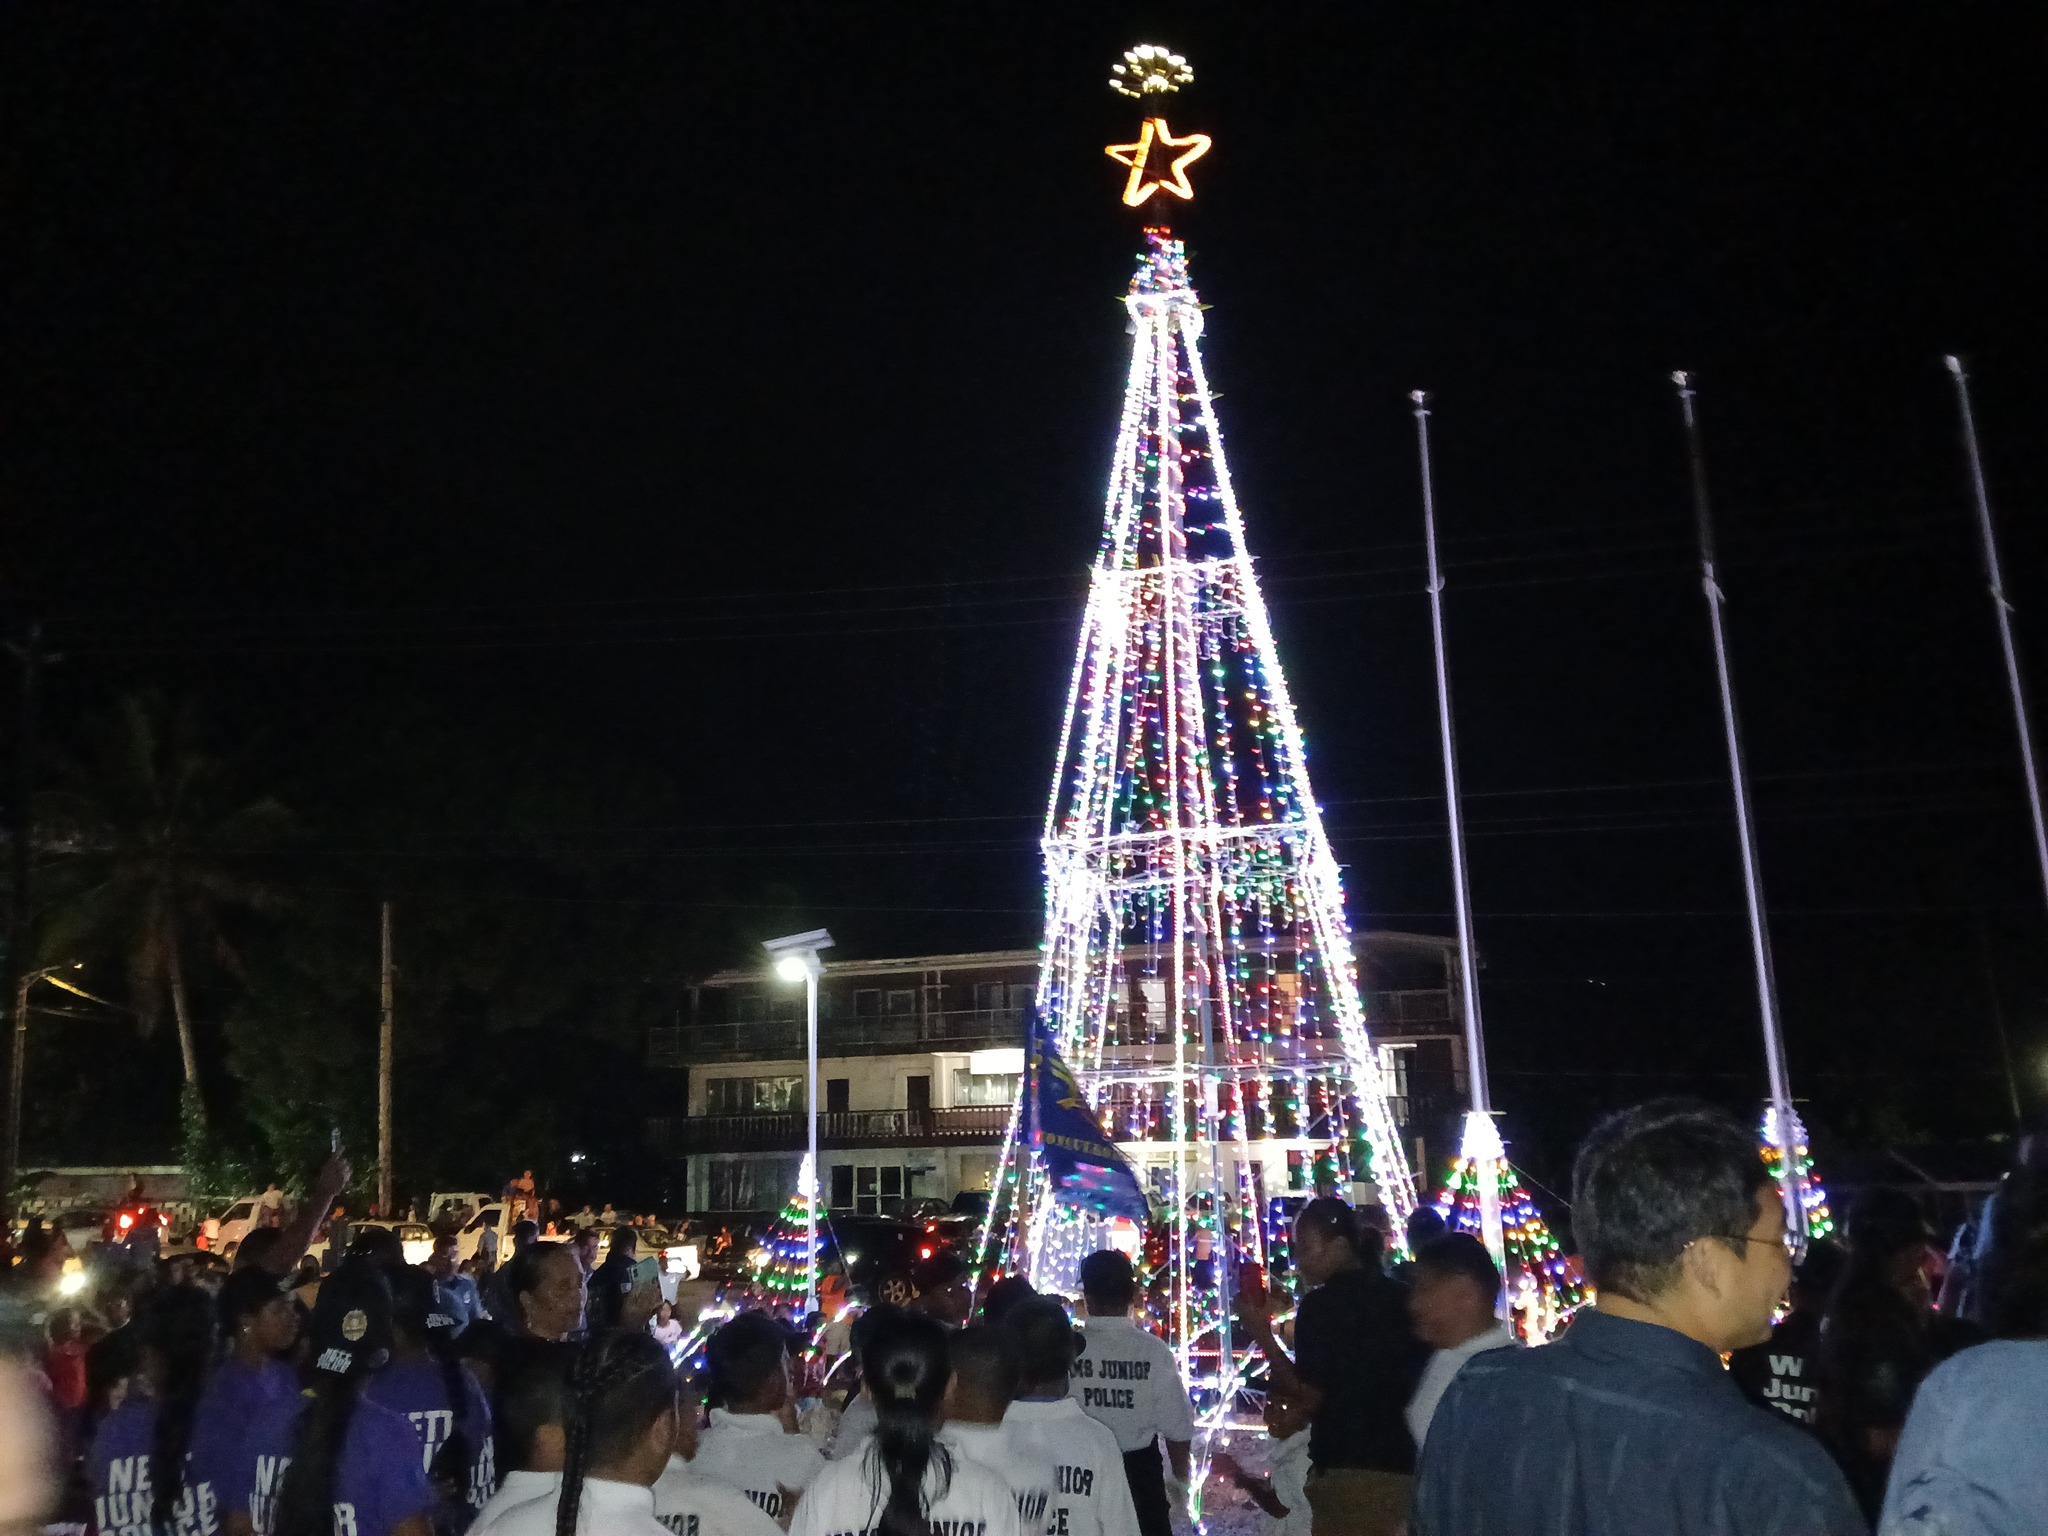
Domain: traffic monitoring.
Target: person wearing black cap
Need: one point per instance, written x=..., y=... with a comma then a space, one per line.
x=427, y=1386
x=326, y=1463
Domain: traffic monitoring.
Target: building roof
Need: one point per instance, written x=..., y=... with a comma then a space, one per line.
x=987, y=959
x=1382, y=943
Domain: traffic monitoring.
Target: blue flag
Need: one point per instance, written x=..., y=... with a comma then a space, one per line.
x=1086, y=1170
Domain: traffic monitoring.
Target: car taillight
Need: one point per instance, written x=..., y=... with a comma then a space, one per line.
x=125, y=1221
x=924, y=1250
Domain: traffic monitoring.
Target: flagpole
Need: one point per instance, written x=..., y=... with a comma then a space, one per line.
x=1782, y=1132
x=1482, y=1136
x=2002, y=608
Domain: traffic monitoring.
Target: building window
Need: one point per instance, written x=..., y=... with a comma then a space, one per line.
x=782, y=1010
x=867, y=1003
x=750, y=1183
x=902, y=1003
x=984, y=1087
x=877, y=1191
x=753, y=1095
x=1003, y=999
x=749, y=1006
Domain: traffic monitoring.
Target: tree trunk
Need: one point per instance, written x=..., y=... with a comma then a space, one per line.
x=188, y=1046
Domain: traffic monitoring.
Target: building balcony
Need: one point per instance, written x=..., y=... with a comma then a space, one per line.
x=978, y=1125
x=966, y=1029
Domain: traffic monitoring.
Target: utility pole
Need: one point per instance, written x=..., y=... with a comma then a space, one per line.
x=29, y=653
x=384, y=1050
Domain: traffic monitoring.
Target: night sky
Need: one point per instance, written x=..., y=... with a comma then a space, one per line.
x=729, y=391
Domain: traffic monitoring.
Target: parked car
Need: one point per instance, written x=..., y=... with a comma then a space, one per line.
x=78, y=1229
x=224, y=1233
x=496, y=1216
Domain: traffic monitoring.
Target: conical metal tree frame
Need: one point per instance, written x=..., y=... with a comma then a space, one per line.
x=1197, y=972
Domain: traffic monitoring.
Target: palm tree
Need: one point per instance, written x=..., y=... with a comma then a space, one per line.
x=144, y=858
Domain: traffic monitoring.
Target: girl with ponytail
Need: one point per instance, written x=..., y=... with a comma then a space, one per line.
x=904, y=1482
x=426, y=1385
x=619, y=1430
x=138, y=1466
x=324, y=1462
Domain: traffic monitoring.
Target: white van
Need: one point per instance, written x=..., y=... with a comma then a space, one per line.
x=224, y=1233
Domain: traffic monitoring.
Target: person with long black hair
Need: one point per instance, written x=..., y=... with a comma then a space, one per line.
x=138, y=1469
x=326, y=1463
x=905, y=1481
x=619, y=1431
x=427, y=1385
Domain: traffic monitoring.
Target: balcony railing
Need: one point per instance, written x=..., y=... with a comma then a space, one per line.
x=1419, y=1012
x=965, y=1029
x=975, y=1125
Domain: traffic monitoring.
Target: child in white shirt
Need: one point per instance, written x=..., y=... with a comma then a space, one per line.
x=691, y=1504
x=906, y=1481
x=620, y=1429
x=753, y=1443
x=1283, y=1492
x=984, y=1384
x=1091, y=1492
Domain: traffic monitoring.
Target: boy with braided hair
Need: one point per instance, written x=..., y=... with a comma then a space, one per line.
x=619, y=1429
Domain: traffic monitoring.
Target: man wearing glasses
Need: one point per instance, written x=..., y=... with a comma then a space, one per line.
x=1628, y=1425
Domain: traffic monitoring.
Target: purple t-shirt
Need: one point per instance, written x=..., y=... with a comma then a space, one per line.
x=230, y=1402
x=123, y=1493
x=417, y=1391
x=377, y=1477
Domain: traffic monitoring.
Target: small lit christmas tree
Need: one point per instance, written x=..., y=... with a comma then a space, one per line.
x=785, y=1264
x=1541, y=1285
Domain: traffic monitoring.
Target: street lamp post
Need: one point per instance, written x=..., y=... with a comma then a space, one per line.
x=18, y=1059
x=795, y=958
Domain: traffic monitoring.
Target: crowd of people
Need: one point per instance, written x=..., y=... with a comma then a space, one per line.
x=554, y=1399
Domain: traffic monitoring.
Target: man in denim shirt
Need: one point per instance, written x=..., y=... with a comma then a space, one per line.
x=1628, y=1425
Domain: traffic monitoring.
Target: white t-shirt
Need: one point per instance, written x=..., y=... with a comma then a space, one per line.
x=518, y=1488
x=755, y=1454
x=1287, y=1471
x=848, y=1496
x=1436, y=1376
x=605, y=1508
x=691, y=1504
x=855, y=1425
x=1091, y=1494
x=1030, y=1475
x=1128, y=1379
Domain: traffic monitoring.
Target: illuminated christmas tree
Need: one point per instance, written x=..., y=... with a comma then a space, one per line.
x=1541, y=1286
x=1197, y=974
x=784, y=1269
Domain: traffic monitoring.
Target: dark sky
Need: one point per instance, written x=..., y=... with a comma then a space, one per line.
x=729, y=390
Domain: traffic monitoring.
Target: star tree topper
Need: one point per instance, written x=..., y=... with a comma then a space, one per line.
x=1158, y=160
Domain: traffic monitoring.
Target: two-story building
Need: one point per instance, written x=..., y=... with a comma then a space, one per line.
x=920, y=1060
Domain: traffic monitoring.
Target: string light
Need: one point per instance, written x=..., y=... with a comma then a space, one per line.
x=1149, y=70
x=1196, y=969
x=1813, y=1197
